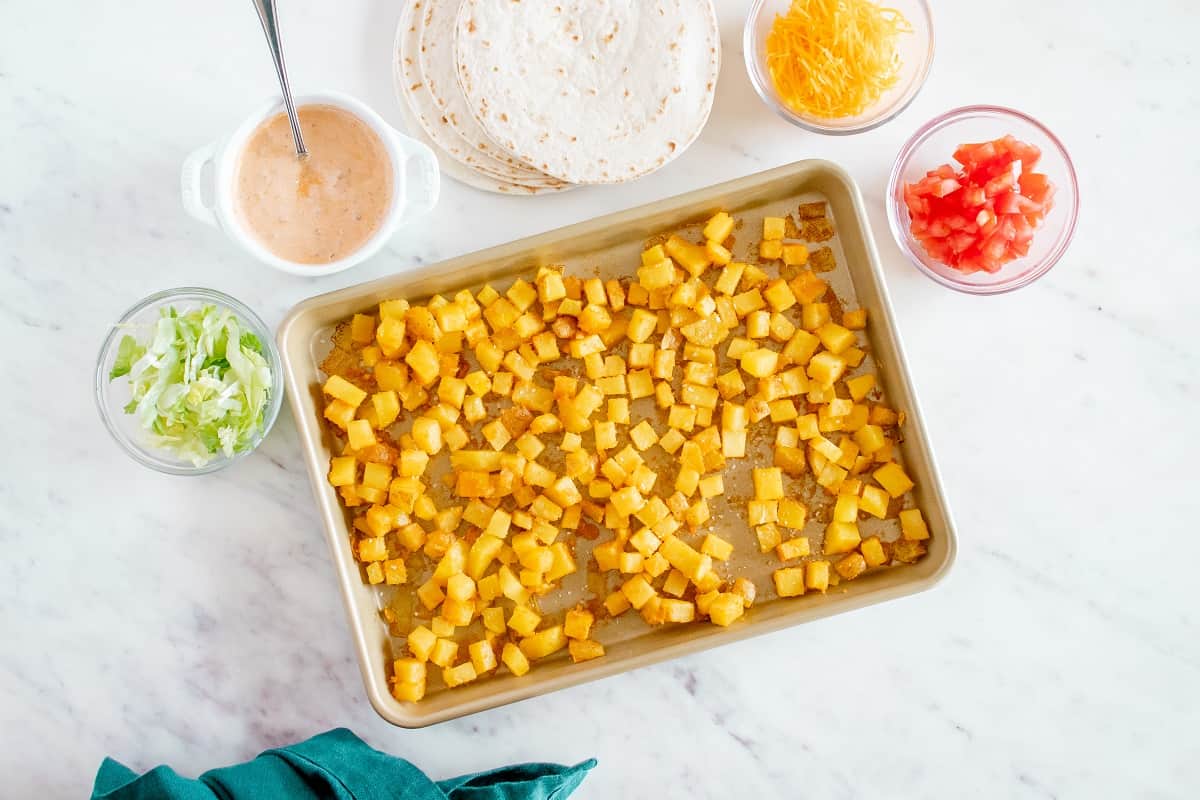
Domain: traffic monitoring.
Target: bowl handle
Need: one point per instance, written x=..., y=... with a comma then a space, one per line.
x=422, y=194
x=189, y=183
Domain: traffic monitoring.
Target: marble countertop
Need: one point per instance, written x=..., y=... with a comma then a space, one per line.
x=196, y=621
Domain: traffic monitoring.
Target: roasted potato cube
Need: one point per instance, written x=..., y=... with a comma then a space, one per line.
x=716, y=547
x=851, y=566
x=798, y=547
x=816, y=575
x=768, y=483
x=760, y=362
x=578, y=623
x=789, y=581
x=444, y=652
x=514, y=659
x=424, y=361
x=841, y=537
x=825, y=368
x=584, y=650
x=421, y=642
x=873, y=553
x=792, y=513
x=893, y=478
x=342, y=389
x=360, y=434
x=683, y=557
x=846, y=508
x=774, y=228
x=342, y=470
x=725, y=608
x=912, y=525
x=544, y=643
x=524, y=620
x=795, y=255
x=770, y=249
x=718, y=227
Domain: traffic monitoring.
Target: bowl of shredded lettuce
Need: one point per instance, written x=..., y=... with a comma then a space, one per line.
x=189, y=381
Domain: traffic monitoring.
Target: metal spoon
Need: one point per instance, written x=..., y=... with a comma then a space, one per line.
x=266, y=15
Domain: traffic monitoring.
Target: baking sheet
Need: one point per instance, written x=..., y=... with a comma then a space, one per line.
x=611, y=247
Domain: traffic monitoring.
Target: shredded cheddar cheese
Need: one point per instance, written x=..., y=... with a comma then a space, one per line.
x=834, y=58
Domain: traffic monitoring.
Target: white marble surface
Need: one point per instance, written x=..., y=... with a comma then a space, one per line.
x=195, y=621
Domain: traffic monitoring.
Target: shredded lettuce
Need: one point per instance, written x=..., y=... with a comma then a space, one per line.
x=200, y=385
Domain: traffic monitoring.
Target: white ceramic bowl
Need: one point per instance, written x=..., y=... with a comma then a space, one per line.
x=411, y=197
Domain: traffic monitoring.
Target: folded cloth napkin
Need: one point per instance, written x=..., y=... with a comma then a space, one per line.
x=336, y=766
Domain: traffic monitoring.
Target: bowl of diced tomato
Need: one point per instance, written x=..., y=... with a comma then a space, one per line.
x=983, y=199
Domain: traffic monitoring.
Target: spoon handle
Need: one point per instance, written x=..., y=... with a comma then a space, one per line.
x=267, y=16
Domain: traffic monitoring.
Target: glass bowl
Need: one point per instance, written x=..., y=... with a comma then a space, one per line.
x=916, y=57
x=935, y=143
x=111, y=396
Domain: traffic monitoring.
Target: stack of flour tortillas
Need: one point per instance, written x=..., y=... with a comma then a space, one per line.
x=533, y=96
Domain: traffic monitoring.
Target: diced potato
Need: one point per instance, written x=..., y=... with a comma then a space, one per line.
x=841, y=537
x=584, y=650
x=761, y=512
x=792, y=513
x=544, y=643
x=778, y=294
x=768, y=536
x=770, y=250
x=718, y=227
x=846, y=508
x=893, y=478
x=444, y=652
x=873, y=553
x=514, y=659
x=760, y=362
x=795, y=255
x=340, y=413
x=578, y=623
x=912, y=525
x=342, y=389
x=524, y=620
x=343, y=470
x=798, y=547
x=870, y=439
x=825, y=368
x=360, y=435
x=643, y=435
x=630, y=563
x=851, y=566
x=690, y=256
x=716, y=547
x=638, y=591
x=816, y=575
x=421, y=642
x=717, y=254
x=726, y=608
x=711, y=486
x=768, y=483
x=808, y=288
x=683, y=557
x=789, y=581
x=773, y=228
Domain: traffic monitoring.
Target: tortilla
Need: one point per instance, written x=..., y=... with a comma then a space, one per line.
x=589, y=91
x=495, y=174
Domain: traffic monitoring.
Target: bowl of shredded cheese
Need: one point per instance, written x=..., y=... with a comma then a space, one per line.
x=838, y=66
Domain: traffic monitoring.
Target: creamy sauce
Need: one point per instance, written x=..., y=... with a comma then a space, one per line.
x=322, y=208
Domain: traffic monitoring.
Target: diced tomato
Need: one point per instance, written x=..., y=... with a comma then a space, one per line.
x=974, y=196
x=1007, y=203
x=945, y=186
x=983, y=215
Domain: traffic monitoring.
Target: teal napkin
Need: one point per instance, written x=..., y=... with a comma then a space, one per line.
x=336, y=766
